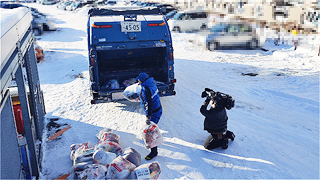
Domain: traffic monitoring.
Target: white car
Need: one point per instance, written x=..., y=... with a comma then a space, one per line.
x=232, y=34
x=48, y=24
x=188, y=21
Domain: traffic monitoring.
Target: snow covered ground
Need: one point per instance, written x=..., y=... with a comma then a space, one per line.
x=275, y=120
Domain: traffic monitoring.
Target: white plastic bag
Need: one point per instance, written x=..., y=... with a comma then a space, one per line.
x=94, y=171
x=120, y=168
x=81, y=153
x=147, y=171
x=152, y=136
x=103, y=157
x=132, y=92
x=108, y=135
x=132, y=155
x=75, y=147
x=108, y=147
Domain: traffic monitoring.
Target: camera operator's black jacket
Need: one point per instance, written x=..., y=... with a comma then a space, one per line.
x=215, y=118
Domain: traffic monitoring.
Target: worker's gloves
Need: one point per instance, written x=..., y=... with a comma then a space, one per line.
x=148, y=120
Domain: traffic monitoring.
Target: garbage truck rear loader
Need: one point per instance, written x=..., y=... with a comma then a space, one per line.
x=125, y=42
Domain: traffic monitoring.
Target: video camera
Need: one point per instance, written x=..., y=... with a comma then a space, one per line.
x=226, y=99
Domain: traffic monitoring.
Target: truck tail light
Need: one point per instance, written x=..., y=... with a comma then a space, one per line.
x=102, y=26
x=171, y=56
x=173, y=80
x=92, y=61
x=153, y=24
x=106, y=26
x=170, y=68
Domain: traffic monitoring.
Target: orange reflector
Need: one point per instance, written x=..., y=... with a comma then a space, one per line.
x=153, y=24
x=95, y=26
x=162, y=24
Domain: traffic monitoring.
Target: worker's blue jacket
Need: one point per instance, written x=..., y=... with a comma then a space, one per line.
x=150, y=100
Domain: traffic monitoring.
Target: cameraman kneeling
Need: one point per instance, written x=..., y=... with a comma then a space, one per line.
x=215, y=123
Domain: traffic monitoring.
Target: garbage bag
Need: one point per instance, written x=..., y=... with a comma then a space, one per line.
x=120, y=168
x=112, y=84
x=108, y=146
x=81, y=166
x=129, y=82
x=152, y=136
x=132, y=92
x=146, y=171
x=103, y=157
x=94, y=171
x=132, y=155
x=74, y=148
x=108, y=135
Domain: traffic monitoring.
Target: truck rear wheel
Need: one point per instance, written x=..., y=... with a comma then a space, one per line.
x=177, y=28
x=213, y=46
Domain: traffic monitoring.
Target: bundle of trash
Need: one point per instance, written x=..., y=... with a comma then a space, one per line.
x=111, y=84
x=132, y=92
x=106, y=160
x=151, y=135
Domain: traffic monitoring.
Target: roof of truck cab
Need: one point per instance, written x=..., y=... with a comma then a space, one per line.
x=120, y=18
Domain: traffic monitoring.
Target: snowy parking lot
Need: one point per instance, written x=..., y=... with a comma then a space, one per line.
x=275, y=119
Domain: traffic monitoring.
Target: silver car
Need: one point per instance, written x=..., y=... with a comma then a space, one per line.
x=232, y=35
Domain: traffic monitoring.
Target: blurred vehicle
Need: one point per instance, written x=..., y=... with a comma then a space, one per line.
x=233, y=34
x=48, y=2
x=171, y=14
x=77, y=5
x=188, y=21
x=111, y=2
x=37, y=28
x=47, y=24
x=10, y=5
x=166, y=8
x=63, y=5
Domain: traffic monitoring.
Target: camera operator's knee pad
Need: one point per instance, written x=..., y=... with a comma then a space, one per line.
x=212, y=143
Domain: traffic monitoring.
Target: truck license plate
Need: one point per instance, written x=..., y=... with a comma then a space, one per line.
x=130, y=26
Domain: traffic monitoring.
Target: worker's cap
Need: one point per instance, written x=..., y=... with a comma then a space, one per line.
x=142, y=77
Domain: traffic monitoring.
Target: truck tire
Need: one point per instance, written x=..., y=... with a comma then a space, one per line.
x=203, y=27
x=213, y=46
x=177, y=28
x=253, y=44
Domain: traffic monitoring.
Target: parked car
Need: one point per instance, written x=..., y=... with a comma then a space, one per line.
x=188, y=21
x=9, y=5
x=111, y=2
x=47, y=24
x=37, y=28
x=165, y=8
x=171, y=14
x=235, y=34
x=48, y=2
x=77, y=5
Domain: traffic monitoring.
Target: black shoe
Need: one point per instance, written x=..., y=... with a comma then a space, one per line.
x=224, y=143
x=152, y=154
x=230, y=135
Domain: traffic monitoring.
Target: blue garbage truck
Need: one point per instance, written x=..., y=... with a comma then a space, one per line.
x=123, y=42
